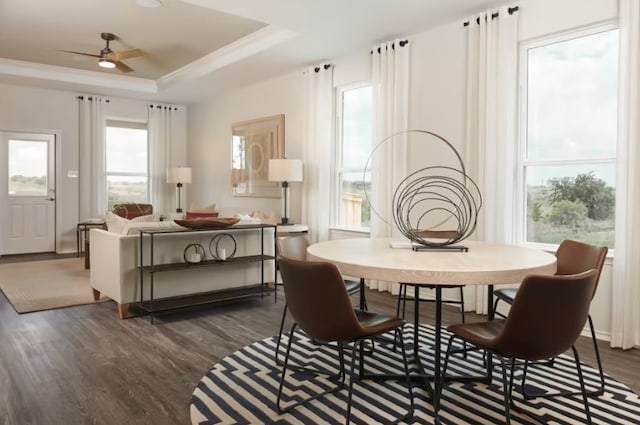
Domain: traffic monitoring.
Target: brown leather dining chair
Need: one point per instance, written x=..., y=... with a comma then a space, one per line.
x=546, y=318
x=572, y=257
x=296, y=247
x=320, y=306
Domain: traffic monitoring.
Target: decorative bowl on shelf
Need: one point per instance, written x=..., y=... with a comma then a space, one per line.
x=208, y=223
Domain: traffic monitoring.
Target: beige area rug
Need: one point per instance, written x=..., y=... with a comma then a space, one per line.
x=45, y=285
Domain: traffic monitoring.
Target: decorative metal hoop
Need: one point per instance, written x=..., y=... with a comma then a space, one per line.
x=429, y=192
x=214, y=248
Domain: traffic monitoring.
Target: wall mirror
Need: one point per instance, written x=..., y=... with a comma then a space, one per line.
x=253, y=143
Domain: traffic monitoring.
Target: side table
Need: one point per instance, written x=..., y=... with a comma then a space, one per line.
x=291, y=229
x=82, y=238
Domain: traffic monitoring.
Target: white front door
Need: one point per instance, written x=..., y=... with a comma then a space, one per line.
x=27, y=189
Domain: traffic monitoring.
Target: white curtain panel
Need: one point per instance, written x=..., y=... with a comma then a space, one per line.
x=92, y=161
x=490, y=139
x=316, y=193
x=160, y=127
x=390, y=80
x=625, y=309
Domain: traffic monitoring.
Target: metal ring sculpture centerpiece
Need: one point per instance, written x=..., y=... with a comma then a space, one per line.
x=435, y=206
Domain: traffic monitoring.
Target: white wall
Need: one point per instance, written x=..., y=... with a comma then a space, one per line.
x=29, y=109
x=437, y=102
x=209, y=128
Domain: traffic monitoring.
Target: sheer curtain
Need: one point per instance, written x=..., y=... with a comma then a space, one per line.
x=390, y=81
x=625, y=309
x=490, y=139
x=92, y=196
x=316, y=198
x=161, y=129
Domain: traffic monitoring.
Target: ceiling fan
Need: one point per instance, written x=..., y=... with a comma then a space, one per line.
x=110, y=59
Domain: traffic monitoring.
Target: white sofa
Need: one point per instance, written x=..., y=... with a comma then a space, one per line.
x=115, y=259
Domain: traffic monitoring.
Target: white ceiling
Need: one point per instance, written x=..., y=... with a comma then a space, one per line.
x=194, y=49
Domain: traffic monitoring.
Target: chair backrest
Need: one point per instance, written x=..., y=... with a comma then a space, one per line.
x=292, y=247
x=317, y=300
x=547, y=315
x=576, y=257
x=132, y=210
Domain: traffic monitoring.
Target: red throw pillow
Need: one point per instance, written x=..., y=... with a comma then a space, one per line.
x=194, y=215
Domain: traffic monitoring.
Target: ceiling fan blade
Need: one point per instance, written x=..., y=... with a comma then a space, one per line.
x=123, y=67
x=125, y=54
x=80, y=53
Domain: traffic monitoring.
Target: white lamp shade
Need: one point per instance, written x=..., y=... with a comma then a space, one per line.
x=285, y=170
x=179, y=175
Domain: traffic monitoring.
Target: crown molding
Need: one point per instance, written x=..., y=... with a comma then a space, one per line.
x=249, y=45
x=22, y=69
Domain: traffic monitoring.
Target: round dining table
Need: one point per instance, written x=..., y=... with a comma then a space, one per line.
x=471, y=263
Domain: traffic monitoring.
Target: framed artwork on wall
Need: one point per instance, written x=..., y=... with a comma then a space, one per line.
x=253, y=144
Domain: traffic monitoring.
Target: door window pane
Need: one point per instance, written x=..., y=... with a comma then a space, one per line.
x=27, y=168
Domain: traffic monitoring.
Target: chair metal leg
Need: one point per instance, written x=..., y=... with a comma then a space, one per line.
x=354, y=349
x=284, y=316
x=600, y=390
x=284, y=371
x=505, y=390
x=585, y=397
x=438, y=390
x=594, y=393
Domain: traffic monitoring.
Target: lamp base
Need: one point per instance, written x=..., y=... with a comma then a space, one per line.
x=178, y=210
x=285, y=222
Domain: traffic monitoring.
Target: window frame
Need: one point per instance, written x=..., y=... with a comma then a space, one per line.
x=131, y=124
x=337, y=170
x=521, y=148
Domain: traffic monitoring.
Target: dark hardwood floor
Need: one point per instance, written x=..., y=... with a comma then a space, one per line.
x=83, y=365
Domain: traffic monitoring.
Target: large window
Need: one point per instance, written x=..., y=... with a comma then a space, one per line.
x=126, y=163
x=354, y=136
x=569, y=137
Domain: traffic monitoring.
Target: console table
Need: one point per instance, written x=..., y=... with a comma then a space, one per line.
x=147, y=271
x=82, y=237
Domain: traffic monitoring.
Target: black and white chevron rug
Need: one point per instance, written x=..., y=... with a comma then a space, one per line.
x=242, y=389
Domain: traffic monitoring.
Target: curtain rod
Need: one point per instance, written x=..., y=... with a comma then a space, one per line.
x=163, y=106
x=90, y=98
x=402, y=43
x=494, y=15
x=325, y=67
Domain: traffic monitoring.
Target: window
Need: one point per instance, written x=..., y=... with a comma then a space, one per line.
x=569, y=137
x=126, y=166
x=354, y=139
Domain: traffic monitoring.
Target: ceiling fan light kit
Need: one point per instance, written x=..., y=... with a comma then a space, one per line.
x=110, y=59
x=106, y=63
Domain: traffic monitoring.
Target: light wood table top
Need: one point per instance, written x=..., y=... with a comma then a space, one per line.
x=483, y=264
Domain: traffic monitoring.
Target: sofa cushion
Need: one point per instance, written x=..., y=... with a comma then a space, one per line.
x=132, y=210
x=114, y=222
x=133, y=228
x=206, y=209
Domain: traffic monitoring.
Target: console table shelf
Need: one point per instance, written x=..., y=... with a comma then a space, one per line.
x=250, y=289
x=181, y=266
x=166, y=304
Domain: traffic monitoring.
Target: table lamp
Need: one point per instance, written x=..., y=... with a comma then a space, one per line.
x=285, y=171
x=179, y=175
